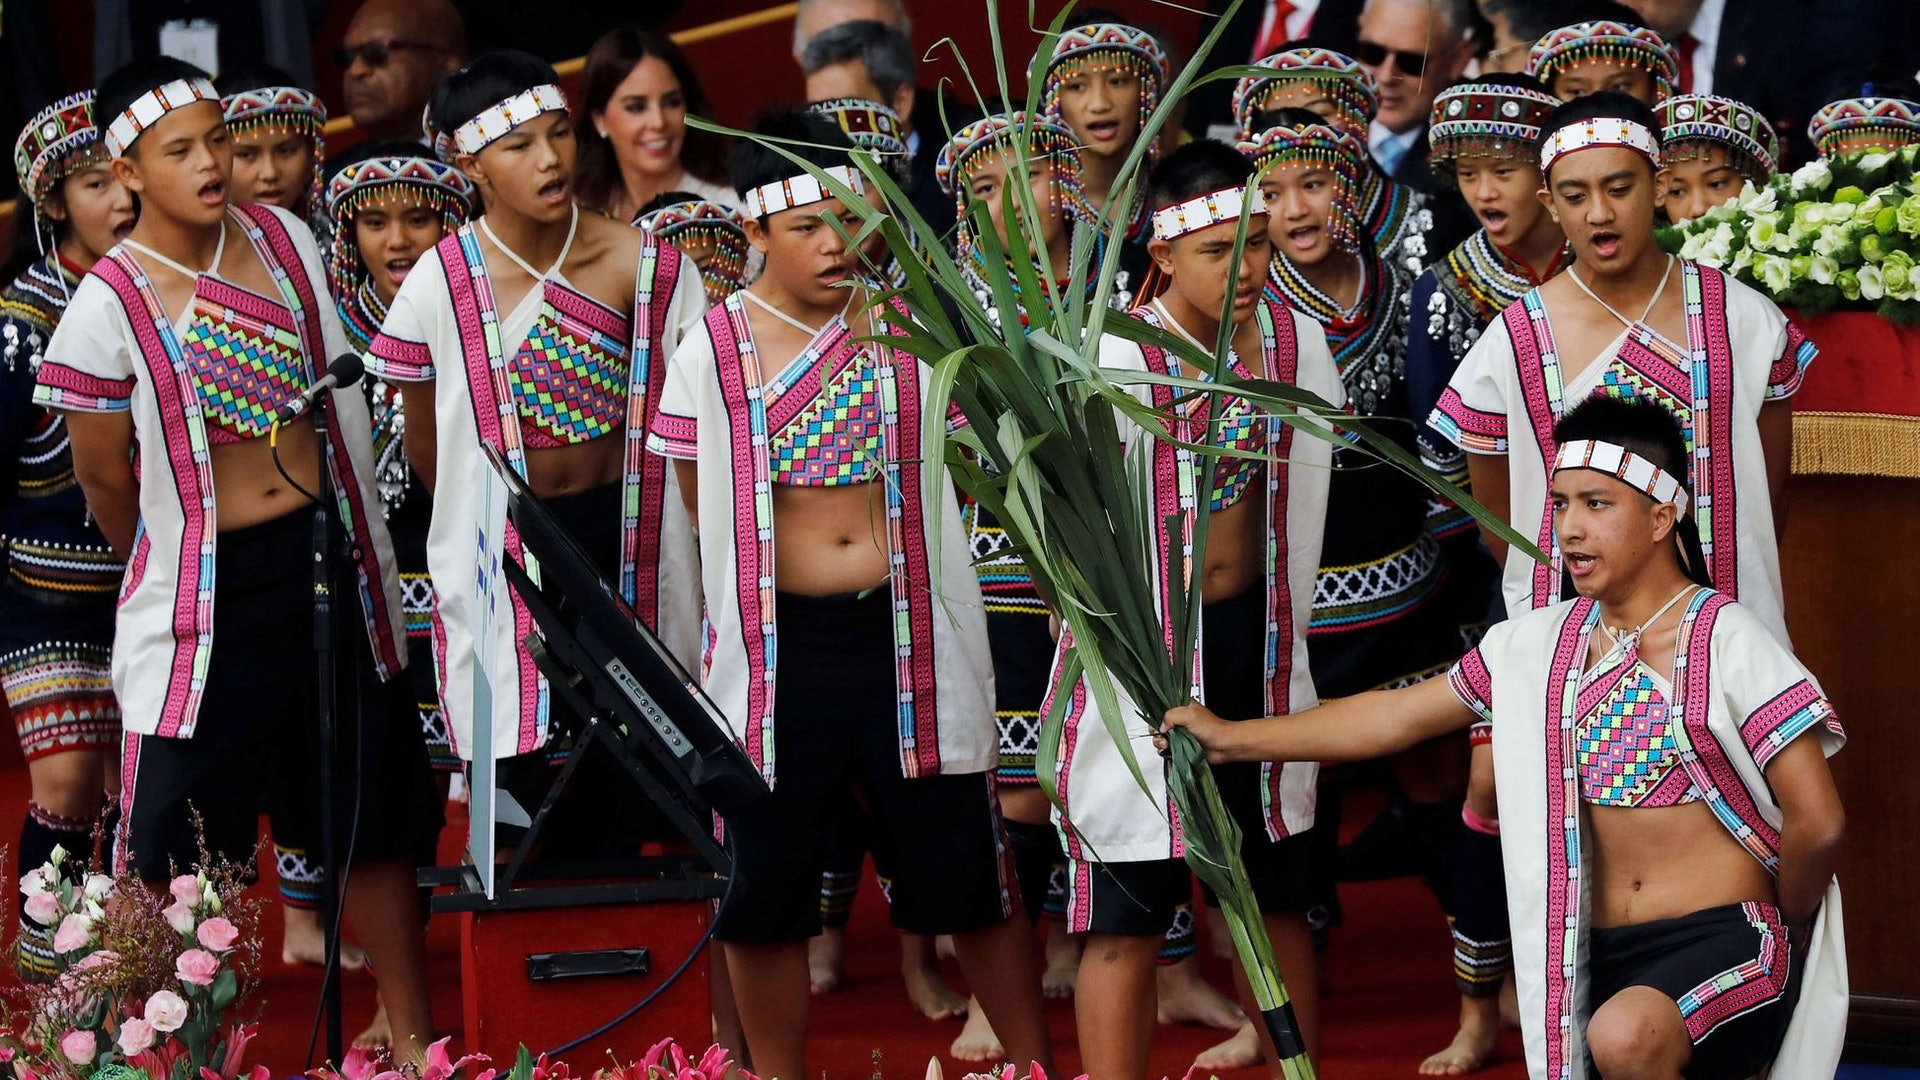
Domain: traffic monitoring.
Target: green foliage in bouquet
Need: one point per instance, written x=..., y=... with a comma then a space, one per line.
x=1042, y=451
x=1831, y=234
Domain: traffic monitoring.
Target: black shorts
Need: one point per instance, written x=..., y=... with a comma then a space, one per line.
x=836, y=727
x=1136, y=899
x=1292, y=874
x=1730, y=970
x=256, y=743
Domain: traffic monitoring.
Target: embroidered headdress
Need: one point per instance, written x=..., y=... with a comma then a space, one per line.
x=1690, y=123
x=493, y=121
x=1340, y=77
x=872, y=127
x=1316, y=146
x=1487, y=120
x=411, y=180
x=1104, y=46
x=1047, y=140
x=1623, y=465
x=722, y=226
x=1606, y=42
x=58, y=141
x=283, y=110
x=1599, y=131
x=1202, y=212
x=146, y=110
x=1864, y=123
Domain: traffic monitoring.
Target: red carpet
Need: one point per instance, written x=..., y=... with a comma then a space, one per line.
x=1388, y=1000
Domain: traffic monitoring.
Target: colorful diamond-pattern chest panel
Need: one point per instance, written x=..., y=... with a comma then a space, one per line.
x=244, y=355
x=569, y=377
x=1235, y=430
x=836, y=438
x=1621, y=380
x=1626, y=749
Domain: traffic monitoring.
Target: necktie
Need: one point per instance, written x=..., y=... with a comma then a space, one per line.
x=1274, y=30
x=1688, y=45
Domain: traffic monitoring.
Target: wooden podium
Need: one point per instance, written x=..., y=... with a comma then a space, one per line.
x=1848, y=556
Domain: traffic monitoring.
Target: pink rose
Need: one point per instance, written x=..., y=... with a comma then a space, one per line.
x=166, y=1010
x=79, y=1046
x=217, y=934
x=197, y=967
x=43, y=908
x=179, y=916
x=75, y=931
x=185, y=888
x=136, y=1036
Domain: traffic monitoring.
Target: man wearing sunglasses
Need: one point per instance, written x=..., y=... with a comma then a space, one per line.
x=390, y=57
x=1414, y=49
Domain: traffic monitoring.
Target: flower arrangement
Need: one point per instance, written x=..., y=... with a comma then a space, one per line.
x=144, y=982
x=666, y=1060
x=1831, y=234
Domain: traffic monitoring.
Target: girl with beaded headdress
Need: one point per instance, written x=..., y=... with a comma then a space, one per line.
x=712, y=234
x=1710, y=147
x=1589, y=57
x=59, y=576
x=1872, y=122
x=1103, y=79
x=538, y=330
x=176, y=354
x=279, y=144
x=1483, y=135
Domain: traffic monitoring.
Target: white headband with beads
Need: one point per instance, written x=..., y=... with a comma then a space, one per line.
x=1599, y=131
x=146, y=110
x=1623, y=465
x=1201, y=212
x=801, y=190
x=496, y=120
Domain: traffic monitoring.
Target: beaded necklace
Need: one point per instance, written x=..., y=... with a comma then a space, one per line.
x=1489, y=279
x=361, y=313
x=1368, y=340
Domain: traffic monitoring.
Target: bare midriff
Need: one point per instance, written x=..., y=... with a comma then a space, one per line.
x=248, y=489
x=1236, y=549
x=557, y=471
x=1661, y=863
x=829, y=540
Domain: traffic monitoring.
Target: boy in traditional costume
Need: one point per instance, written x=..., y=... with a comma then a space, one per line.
x=1671, y=837
x=1710, y=147
x=841, y=656
x=60, y=575
x=1589, y=57
x=279, y=144
x=1267, y=513
x=542, y=333
x=1483, y=137
x=177, y=350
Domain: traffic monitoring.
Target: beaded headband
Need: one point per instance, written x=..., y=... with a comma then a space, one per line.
x=146, y=110
x=283, y=109
x=1316, y=146
x=1605, y=42
x=1865, y=123
x=872, y=127
x=802, y=190
x=1599, y=131
x=1107, y=45
x=418, y=181
x=58, y=141
x=1488, y=120
x=1623, y=465
x=1352, y=87
x=1695, y=119
x=722, y=226
x=496, y=120
x=1045, y=138
x=1201, y=212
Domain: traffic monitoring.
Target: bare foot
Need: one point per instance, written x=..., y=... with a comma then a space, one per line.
x=977, y=1042
x=926, y=988
x=1186, y=997
x=1469, y=1052
x=827, y=960
x=1240, y=1051
x=1063, y=961
x=306, y=943
x=379, y=1034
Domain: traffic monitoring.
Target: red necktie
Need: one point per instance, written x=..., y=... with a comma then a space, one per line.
x=1688, y=45
x=1276, y=30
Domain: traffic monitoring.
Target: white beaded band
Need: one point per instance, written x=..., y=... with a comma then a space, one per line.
x=801, y=190
x=496, y=120
x=1623, y=465
x=1200, y=212
x=147, y=109
x=1599, y=131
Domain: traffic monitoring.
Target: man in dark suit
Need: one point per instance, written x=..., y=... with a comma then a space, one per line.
x=1258, y=29
x=1414, y=49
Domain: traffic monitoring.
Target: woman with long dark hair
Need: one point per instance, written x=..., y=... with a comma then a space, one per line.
x=635, y=96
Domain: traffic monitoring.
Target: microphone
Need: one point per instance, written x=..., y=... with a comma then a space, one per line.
x=345, y=370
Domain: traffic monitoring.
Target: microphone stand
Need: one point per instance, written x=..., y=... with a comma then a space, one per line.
x=324, y=668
